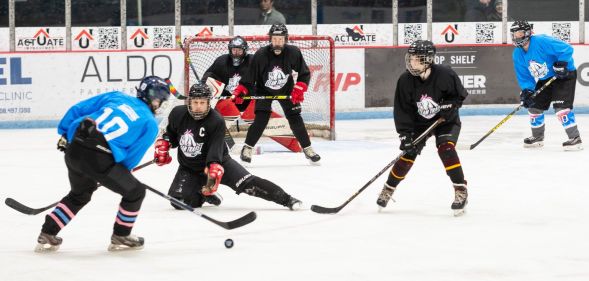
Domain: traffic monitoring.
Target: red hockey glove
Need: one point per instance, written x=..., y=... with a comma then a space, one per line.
x=214, y=176
x=298, y=92
x=239, y=92
x=162, y=152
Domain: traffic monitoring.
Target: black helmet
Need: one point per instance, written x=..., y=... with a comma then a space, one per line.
x=521, y=25
x=199, y=91
x=278, y=29
x=425, y=51
x=153, y=88
x=238, y=42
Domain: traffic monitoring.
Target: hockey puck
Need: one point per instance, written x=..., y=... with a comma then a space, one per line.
x=228, y=243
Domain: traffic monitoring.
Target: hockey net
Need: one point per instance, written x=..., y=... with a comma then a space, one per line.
x=318, y=109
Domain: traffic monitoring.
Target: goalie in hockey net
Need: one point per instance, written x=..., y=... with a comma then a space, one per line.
x=271, y=74
x=97, y=152
x=424, y=93
x=198, y=132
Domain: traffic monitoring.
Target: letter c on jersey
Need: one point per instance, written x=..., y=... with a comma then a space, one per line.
x=201, y=132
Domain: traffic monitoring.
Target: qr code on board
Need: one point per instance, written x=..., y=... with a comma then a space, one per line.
x=562, y=31
x=163, y=38
x=485, y=33
x=108, y=38
x=411, y=33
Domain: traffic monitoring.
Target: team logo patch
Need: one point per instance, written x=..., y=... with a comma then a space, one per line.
x=427, y=107
x=276, y=79
x=233, y=82
x=189, y=146
x=537, y=69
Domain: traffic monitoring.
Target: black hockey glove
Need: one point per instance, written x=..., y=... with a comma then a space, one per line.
x=407, y=144
x=560, y=69
x=449, y=109
x=62, y=143
x=526, y=98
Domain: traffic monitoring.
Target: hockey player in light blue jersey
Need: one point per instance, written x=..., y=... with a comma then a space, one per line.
x=536, y=59
x=103, y=138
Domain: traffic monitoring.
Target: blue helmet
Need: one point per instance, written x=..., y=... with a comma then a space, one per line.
x=153, y=88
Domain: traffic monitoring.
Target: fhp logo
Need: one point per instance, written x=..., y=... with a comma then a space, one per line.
x=450, y=33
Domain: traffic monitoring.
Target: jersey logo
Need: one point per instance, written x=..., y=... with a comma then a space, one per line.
x=427, y=107
x=538, y=70
x=276, y=79
x=233, y=82
x=189, y=146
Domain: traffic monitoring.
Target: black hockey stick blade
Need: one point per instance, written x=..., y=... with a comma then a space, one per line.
x=324, y=210
x=25, y=209
x=246, y=219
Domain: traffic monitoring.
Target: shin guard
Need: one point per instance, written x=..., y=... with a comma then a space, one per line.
x=449, y=157
x=400, y=169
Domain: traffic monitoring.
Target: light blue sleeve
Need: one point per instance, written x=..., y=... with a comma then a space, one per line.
x=138, y=150
x=83, y=108
x=524, y=78
x=562, y=51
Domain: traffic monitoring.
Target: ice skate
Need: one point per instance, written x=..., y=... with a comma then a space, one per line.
x=123, y=243
x=385, y=196
x=573, y=144
x=460, y=199
x=246, y=153
x=47, y=243
x=311, y=155
x=534, y=142
x=214, y=199
x=294, y=204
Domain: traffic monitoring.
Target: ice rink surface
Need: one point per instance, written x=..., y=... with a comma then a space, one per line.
x=527, y=217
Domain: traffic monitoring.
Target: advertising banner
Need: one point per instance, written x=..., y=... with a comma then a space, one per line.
x=409, y=32
x=204, y=30
x=40, y=38
x=567, y=31
x=96, y=38
x=349, y=79
x=299, y=29
x=581, y=57
x=358, y=34
x=467, y=33
x=39, y=86
x=4, y=39
x=151, y=37
x=486, y=73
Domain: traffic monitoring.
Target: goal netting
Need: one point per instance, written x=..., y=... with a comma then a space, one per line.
x=319, y=105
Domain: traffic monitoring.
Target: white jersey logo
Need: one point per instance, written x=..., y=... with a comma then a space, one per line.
x=276, y=79
x=189, y=146
x=538, y=70
x=233, y=82
x=427, y=107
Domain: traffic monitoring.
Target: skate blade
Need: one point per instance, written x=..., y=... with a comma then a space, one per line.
x=459, y=212
x=318, y=163
x=46, y=248
x=534, y=145
x=575, y=147
x=122, y=248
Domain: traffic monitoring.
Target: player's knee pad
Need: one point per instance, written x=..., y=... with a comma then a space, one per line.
x=135, y=194
x=566, y=117
x=265, y=189
x=536, y=118
x=402, y=167
x=448, y=155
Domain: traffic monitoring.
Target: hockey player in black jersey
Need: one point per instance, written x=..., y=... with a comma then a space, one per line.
x=271, y=73
x=204, y=159
x=424, y=93
x=230, y=68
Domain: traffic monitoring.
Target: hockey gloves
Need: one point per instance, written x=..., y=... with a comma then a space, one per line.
x=214, y=174
x=449, y=109
x=162, y=152
x=298, y=92
x=526, y=98
x=407, y=144
x=239, y=92
x=560, y=70
x=62, y=143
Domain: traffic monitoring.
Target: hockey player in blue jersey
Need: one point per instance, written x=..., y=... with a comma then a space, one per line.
x=103, y=138
x=538, y=58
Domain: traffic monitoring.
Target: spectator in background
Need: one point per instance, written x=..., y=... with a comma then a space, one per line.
x=479, y=10
x=497, y=12
x=269, y=14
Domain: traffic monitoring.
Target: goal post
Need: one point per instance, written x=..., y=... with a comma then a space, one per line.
x=318, y=109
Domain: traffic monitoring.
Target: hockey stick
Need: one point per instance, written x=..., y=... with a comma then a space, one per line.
x=12, y=203
x=324, y=210
x=256, y=97
x=246, y=219
x=472, y=146
x=228, y=138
